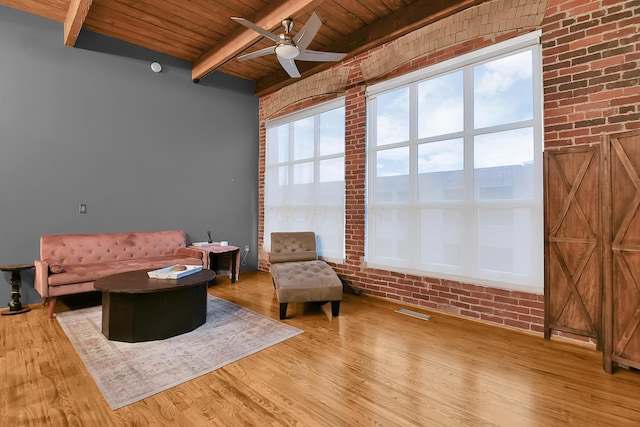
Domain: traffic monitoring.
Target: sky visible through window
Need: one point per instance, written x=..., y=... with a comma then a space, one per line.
x=502, y=91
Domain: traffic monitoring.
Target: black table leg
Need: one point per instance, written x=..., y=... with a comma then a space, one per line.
x=15, y=306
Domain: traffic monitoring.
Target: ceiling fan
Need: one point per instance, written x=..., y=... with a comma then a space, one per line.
x=288, y=48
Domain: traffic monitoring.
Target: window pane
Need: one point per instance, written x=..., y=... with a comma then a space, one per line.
x=331, y=132
x=331, y=186
x=283, y=175
x=302, y=191
x=303, y=173
x=504, y=167
x=332, y=170
x=329, y=233
x=393, y=162
x=392, y=175
x=392, y=118
x=301, y=195
x=276, y=181
x=301, y=217
x=279, y=217
x=503, y=90
x=441, y=105
x=393, y=233
x=303, y=138
x=278, y=144
x=442, y=242
x=505, y=241
x=440, y=170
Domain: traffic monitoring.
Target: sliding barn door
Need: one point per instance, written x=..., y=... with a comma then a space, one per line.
x=573, y=242
x=622, y=229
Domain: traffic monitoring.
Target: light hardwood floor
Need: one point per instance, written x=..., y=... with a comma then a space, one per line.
x=370, y=366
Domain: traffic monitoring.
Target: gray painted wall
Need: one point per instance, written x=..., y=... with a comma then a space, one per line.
x=144, y=151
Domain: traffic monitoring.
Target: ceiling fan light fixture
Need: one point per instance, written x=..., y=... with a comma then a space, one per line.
x=287, y=51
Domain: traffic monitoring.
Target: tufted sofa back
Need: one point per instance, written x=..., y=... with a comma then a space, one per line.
x=73, y=249
x=293, y=246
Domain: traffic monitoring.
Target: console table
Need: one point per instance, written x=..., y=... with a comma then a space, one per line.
x=15, y=306
x=215, y=251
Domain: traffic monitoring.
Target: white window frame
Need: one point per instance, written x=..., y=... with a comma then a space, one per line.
x=530, y=41
x=290, y=119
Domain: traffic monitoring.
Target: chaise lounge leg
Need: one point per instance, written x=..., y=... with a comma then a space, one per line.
x=335, y=308
x=52, y=306
x=283, y=310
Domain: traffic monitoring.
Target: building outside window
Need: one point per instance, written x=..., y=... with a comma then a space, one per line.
x=454, y=178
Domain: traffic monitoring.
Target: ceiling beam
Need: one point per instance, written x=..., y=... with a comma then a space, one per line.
x=403, y=21
x=76, y=14
x=269, y=19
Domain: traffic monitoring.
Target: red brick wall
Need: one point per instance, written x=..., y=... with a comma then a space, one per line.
x=591, y=69
x=590, y=66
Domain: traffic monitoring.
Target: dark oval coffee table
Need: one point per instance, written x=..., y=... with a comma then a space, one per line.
x=138, y=308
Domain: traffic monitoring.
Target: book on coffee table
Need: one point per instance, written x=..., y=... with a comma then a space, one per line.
x=174, y=271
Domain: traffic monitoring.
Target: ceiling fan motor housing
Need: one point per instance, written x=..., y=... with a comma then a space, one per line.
x=288, y=25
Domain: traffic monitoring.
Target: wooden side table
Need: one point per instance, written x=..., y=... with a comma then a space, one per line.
x=15, y=306
x=215, y=251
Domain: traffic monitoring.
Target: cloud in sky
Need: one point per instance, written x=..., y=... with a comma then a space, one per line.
x=441, y=156
x=503, y=90
x=392, y=116
x=441, y=105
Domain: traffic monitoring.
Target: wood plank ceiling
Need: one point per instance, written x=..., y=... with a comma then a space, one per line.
x=202, y=33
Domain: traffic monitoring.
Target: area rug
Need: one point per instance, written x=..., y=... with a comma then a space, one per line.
x=128, y=372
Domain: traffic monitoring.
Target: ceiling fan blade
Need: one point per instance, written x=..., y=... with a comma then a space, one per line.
x=257, y=53
x=316, y=56
x=308, y=32
x=289, y=66
x=257, y=29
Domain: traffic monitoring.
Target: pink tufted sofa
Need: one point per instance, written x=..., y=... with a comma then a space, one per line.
x=70, y=263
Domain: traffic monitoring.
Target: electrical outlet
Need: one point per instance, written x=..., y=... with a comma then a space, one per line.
x=246, y=248
x=83, y=208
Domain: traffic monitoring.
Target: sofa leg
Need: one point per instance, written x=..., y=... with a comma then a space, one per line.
x=52, y=306
x=44, y=301
x=335, y=308
x=283, y=310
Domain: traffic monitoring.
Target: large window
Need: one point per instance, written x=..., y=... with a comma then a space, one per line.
x=304, y=176
x=454, y=184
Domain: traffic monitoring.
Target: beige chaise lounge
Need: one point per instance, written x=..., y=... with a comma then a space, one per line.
x=298, y=275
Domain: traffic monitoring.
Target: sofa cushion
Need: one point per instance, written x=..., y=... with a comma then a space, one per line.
x=76, y=273
x=72, y=249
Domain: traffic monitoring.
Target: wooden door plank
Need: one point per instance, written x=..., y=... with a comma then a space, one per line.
x=572, y=298
x=622, y=292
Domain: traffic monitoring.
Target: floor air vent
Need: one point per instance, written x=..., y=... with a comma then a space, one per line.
x=413, y=314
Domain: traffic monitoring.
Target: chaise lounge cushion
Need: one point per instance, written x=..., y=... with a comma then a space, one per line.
x=306, y=281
